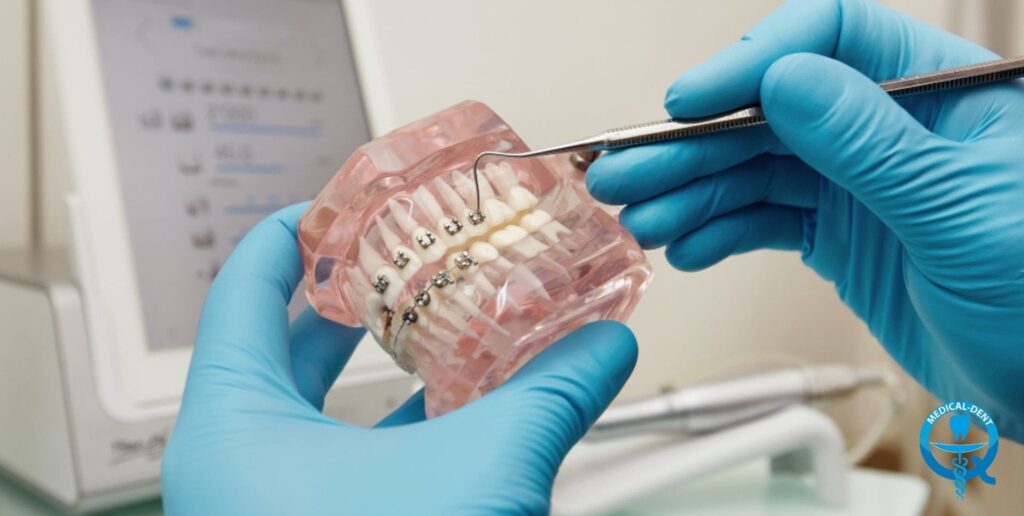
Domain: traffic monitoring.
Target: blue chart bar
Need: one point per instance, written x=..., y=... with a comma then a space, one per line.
x=300, y=131
x=250, y=168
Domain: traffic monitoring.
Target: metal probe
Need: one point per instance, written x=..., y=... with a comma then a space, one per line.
x=675, y=129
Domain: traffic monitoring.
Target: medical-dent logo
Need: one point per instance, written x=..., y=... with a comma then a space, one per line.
x=966, y=460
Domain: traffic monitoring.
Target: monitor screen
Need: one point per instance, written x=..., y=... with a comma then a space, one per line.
x=222, y=111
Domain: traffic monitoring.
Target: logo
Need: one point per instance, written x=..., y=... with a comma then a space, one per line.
x=966, y=459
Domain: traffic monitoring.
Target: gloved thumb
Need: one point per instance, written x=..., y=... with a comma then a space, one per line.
x=847, y=128
x=554, y=399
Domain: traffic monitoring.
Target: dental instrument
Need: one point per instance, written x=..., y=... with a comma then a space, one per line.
x=674, y=129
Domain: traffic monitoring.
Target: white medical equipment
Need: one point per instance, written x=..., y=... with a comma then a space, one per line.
x=186, y=123
x=639, y=456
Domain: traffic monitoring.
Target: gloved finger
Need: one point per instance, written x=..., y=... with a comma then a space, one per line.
x=848, y=129
x=761, y=226
x=639, y=173
x=244, y=325
x=412, y=411
x=877, y=41
x=781, y=180
x=319, y=351
x=550, y=403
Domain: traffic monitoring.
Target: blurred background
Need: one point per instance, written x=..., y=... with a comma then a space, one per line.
x=555, y=71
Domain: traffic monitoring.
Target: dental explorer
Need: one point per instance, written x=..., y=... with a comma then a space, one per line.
x=674, y=129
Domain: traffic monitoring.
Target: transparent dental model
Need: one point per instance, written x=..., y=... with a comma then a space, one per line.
x=459, y=295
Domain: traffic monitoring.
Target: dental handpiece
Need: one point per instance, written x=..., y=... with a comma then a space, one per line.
x=708, y=407
x=675, y=129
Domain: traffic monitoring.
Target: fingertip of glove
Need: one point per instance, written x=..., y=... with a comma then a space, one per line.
x=642, y=225
x=800, y=88
x=612, y=345
x=602, y=179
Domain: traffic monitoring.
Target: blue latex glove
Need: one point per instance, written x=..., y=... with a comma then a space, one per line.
x=914, y=209
x=251, y=438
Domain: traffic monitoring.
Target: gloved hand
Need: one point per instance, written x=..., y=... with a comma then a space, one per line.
x=251, y=438
x=914, y=209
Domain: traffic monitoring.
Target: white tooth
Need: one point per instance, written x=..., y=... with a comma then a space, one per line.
x=451, y=240
x=529, y=247
x=483, y=252
x=426, y=202
x=521, y=199
x=496, y=212
x=502, y=177
x=452, y=199
x=473, y=230
x=533, y=221
x=507, y=236
x=394, y=286
x=402, y=216
x=413, y=261
x=433, y=251
x=390, y=238
x=451, y=264
x=523, y=275
x=552, y=229
x=374, y=309
x=369, y=259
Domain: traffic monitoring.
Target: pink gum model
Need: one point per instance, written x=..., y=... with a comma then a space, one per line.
x=394, y=243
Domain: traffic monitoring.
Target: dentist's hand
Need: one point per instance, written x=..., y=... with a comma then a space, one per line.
x=914, y=209
x=251, y=438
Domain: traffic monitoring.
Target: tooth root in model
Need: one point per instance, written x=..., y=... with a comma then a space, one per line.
x=466, y=187
x=522, y=275
x=402, y=216
x=454, y=201
x=463, y=301
x=503, y=179
x=426, y=202
x=369, y=259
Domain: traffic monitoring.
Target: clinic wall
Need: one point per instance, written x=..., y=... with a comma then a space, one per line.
x=15, y=110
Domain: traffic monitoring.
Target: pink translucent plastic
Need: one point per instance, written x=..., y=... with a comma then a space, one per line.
x=493, y=317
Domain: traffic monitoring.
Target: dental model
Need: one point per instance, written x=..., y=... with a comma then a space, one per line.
x=461, y=295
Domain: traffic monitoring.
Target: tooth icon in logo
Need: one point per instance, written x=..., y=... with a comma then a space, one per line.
x=960, y=424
